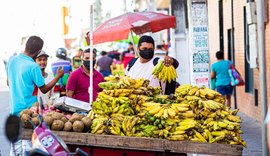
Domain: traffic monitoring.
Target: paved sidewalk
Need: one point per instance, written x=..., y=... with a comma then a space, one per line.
x=252, y=135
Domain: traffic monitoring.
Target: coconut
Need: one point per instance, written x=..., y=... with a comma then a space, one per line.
x=64, y=119
x=57, y=125
x=67, y=126
x=78, y=126
x=87, y=123
x=26, y=118
x=74, y=117
x=48, y=119
x=57, y=115
x=26, y=111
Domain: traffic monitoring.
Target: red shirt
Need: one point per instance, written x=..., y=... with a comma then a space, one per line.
x=79, y=81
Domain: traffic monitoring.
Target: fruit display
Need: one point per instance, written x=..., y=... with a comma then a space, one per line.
x=129, y=107
x=117, y=69
x=164, y=73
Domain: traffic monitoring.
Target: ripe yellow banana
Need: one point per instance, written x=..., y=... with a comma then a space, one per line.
x=199, y=136
x=165, y=113
x=155, y=110
x=176, y=137
x=171, y=112
x=160, y=113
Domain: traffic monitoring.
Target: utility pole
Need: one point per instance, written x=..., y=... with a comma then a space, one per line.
x=261, y=49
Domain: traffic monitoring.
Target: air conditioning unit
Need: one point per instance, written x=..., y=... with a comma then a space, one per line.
x=251, y=13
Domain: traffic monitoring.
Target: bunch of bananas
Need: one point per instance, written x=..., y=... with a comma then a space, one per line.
x=145, y=130
x=211, y=105
x=203, y=93
x=132, y=92
x=117, y=105
x=117, y=69
x=123, y=82
x=164, y=73
x=117, y=82
x=98, y=126
x=165, y=111
x=102, y=125
x=128, y=125
x=183, y=90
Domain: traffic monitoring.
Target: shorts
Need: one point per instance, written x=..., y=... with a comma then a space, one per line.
x=225, y=90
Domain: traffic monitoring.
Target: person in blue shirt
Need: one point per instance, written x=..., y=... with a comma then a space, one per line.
x=61, y=54
x=23, y=75
x=219, y=71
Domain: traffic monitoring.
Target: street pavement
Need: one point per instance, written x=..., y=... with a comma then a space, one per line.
x=252, y=135
x=251, y=128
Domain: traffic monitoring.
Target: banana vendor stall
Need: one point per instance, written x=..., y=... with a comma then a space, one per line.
x=130, y=117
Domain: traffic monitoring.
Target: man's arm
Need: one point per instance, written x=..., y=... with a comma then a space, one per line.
x=70, y=93
x=175, y=63
x=213, y=75
x=47, y=87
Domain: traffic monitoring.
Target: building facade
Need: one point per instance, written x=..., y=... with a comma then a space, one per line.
x=232, y=30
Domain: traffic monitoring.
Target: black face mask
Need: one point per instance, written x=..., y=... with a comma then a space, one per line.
x=147, y=54
x=86, y=64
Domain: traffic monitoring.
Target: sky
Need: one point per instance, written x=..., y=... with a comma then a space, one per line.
x=23, y=18
x=39, y=17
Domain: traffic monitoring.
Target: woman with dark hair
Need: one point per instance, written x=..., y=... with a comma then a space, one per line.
x=219, y=72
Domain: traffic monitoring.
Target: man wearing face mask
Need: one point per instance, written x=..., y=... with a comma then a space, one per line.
x=143, y=66
x=79, y=80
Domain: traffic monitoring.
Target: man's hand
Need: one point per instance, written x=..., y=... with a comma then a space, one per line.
x=168, y=61
x=60, y=72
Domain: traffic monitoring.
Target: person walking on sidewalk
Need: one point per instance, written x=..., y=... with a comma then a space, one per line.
x=219, y=72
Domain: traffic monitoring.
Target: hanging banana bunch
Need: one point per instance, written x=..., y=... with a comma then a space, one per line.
x=118, y=69
x=164, y=73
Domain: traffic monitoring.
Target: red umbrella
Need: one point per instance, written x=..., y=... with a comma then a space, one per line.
x=118, y=28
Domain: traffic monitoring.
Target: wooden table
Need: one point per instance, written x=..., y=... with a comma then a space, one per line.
x=143, y=144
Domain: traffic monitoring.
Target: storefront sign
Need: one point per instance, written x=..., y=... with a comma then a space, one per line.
x=198, y=20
